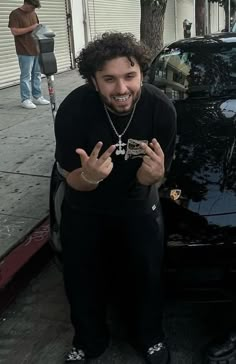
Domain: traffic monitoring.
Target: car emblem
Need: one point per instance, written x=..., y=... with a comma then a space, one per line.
x=175, y=194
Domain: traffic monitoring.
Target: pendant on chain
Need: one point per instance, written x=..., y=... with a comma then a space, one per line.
x=120, y=150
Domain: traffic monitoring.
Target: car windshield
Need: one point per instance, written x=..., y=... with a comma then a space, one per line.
x=197, y=72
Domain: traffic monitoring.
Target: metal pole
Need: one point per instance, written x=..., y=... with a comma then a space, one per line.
x=52, y=95
x=229, y=15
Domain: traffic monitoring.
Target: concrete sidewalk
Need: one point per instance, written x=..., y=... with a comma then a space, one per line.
x=27, y=154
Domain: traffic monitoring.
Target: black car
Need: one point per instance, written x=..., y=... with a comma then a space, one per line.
x=199, y=196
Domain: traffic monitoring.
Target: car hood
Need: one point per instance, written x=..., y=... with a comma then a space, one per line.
x=202, y=182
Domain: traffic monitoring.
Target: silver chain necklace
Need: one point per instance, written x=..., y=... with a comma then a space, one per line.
x=120, y=150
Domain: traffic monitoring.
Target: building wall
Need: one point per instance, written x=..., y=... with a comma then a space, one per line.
x=217, y=18
x=214, y=17
x=96, y=16
x=176, y=12
x=221, y=18
x=119, y=15
x=185, y=10
x=78, y=25
x=170, y=23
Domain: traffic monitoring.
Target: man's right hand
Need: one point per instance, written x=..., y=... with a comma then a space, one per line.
x=96, y=168
x=93, y=168
x=34, y=26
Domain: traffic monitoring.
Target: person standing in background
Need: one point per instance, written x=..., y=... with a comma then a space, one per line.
x=22, y=21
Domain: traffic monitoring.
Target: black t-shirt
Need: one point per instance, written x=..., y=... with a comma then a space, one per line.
x=81, y=122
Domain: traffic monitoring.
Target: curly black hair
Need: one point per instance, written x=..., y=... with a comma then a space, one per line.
x=108, y=46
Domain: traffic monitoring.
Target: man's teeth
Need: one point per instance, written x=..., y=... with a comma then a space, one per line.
x=121, y=98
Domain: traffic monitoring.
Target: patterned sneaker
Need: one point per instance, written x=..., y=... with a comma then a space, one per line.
x=41, y=101
x=75, y=356
x=158, y=354
x=28, y=104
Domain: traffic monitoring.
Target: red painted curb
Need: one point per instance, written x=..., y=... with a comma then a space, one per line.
x=19, y=256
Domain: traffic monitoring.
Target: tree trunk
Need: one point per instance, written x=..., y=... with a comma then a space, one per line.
x=226, y=9
x=152, y=24
x=200, y=16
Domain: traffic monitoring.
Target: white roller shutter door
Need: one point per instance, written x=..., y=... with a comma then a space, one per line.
x=9, y=69
x=52, y=13
x=119, y=15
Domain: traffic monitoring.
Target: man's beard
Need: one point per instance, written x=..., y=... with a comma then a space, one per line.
x=111, y=107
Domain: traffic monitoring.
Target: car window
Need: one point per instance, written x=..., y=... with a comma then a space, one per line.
x=233, y=28
x=202, y=72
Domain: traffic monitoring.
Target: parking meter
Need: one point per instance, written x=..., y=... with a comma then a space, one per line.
x=47, y=60
x=187, y=28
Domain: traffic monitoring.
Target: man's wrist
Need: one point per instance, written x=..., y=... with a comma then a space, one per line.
x=88, y=180
x=146, y=180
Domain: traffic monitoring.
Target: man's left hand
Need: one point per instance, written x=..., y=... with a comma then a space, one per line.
x=152, y=169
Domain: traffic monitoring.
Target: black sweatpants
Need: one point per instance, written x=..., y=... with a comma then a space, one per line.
x=98, y=252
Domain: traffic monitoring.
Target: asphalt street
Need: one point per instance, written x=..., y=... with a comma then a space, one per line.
x=36, y=327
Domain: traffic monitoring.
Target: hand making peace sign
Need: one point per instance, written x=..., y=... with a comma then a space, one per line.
x=96, y=168
x=152, y=169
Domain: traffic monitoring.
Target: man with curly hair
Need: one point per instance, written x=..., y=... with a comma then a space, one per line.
x=22, y=21
x=115, y=139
